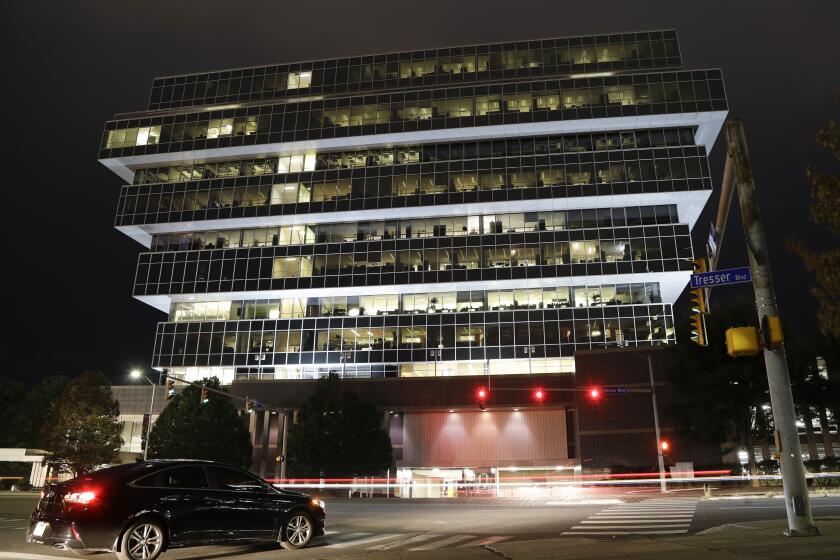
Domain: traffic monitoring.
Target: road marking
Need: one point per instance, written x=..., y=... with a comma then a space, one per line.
x=485, y=541
x=444, y=542
x=632, y=521
x=346, y=536
x=413, y=540
x=26, y=556
x=651, y=517
x=780, y=506
x=602, y=527
x=582, y=533
x=637, y=516
x=365, y=541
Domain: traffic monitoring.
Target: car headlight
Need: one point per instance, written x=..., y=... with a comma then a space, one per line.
x=318, y=503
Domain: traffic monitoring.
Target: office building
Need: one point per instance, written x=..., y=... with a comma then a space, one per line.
x=479, y=212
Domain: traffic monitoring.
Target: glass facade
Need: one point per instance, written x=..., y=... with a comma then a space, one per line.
x=416, y=110
x=479, y=210
x=601, y=53
x=562, y=169
x=470, y=258
x=438, y=226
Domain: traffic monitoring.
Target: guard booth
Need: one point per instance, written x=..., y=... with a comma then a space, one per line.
x=38, y=472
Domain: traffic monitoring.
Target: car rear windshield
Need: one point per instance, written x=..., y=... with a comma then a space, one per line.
x=108, y=475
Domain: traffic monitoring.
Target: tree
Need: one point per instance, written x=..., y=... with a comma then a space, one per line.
x=721, y=397
x=810, y=390
x=11, y=393
x=25, y=418
x=825, y=211
x=338, y=435
x=189, y=429
x=83, y=429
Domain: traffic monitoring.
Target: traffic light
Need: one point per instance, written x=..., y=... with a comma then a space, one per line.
x=594, y=394
x=698, y=330
x=664, y=445
x=481, y=397
x=205, y=395
x=539, y=395
x=170, y=388
x=698, y=307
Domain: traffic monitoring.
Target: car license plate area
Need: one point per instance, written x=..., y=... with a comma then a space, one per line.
x=40, y=528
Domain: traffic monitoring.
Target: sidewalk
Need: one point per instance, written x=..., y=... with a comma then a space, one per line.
x=762, y=539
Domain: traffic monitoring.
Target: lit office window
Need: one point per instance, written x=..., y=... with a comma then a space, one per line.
x=299, y=80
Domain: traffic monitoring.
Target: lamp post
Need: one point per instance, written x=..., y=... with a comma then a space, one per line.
x=659, y=455
x=344, y=357
x=435, y=354
x=136, y=373
x=529, y=350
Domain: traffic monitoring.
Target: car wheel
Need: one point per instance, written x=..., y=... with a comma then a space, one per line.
x=143, y=540
x=298, y=531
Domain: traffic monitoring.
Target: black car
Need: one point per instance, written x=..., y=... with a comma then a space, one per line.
x=139, y=510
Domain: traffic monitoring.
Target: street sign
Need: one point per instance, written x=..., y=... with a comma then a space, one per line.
x=615, y=390
x=721, y=277
x=713, y=241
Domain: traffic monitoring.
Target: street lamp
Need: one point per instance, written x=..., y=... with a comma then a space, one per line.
x=344, y=357
x=528, y=350
x=435, y=354
x=136, y=374
x=659, y=442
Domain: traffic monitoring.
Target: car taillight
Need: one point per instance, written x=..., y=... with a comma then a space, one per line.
x=85, y=497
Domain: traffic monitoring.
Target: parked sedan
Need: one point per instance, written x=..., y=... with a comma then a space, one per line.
x=139, y=510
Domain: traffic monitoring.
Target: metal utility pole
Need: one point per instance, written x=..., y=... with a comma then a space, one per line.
x=800, y=521
x=662, y=485
x=149, y=424
x=283, y=458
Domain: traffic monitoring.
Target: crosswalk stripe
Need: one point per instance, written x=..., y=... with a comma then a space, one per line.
x=659, y=517
x=485, y=541
x=654, y=509
x=630, y=527
x=649, y=510
x=670, y=532
x=347, y=536
x=365, y=541
x=413, y=540
x=444, y=542
x=641, y=516
x=633, y=521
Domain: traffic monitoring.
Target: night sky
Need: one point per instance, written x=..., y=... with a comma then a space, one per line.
x=71, y=65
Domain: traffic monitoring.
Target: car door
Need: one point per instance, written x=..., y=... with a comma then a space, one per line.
x=180, y=497
x=247, y=509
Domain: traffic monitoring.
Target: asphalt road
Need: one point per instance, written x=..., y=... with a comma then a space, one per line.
x=375, y=525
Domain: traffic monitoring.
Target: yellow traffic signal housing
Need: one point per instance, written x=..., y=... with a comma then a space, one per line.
x=772, y=330
x=742, y=341
x=698, y=306
x=698, y=301
x=698, y=329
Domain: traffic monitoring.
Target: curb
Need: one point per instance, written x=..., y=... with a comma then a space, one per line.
x=767, y=495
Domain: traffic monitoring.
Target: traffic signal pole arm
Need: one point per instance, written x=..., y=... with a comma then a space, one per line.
x=724, y=204
x=165, y=374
